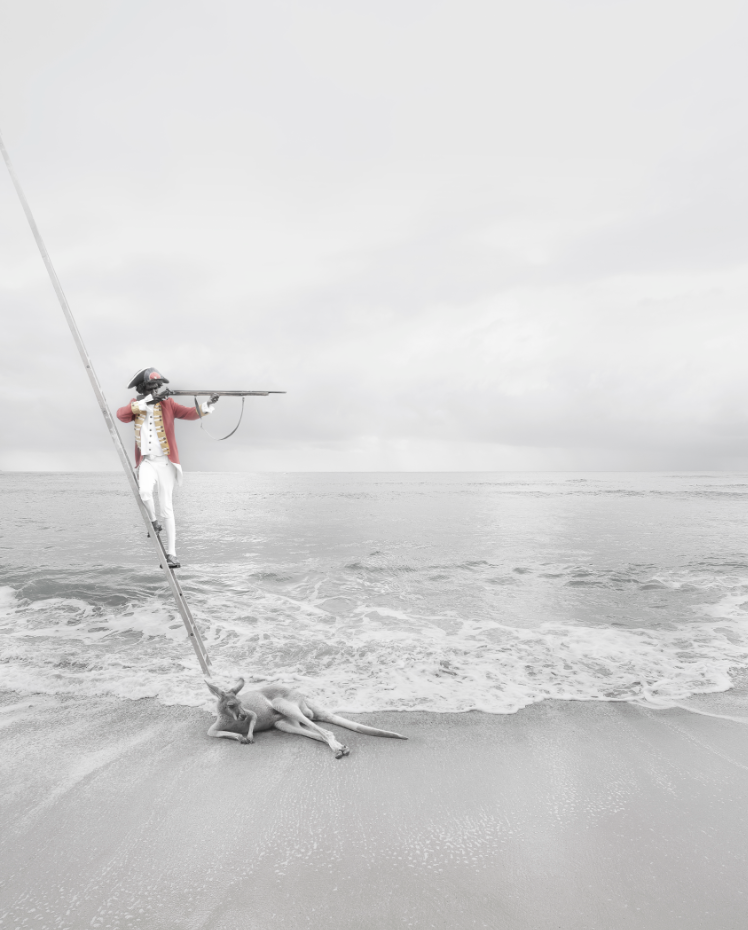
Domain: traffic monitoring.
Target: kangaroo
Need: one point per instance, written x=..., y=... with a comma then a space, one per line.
x=276, y=706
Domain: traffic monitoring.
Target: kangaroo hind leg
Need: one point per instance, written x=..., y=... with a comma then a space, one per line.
x=289, y=726
x=291, y=711
x=327, y=716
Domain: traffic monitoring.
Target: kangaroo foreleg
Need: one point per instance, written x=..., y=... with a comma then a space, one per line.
x=252, y=721
x=227, y=734
x=327, y=716
x=216, y=730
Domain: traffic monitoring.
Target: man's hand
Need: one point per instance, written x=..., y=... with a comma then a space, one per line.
x=140, y=406
x=208, y=406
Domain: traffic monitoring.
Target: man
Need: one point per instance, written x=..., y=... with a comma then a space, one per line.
x=156, y=453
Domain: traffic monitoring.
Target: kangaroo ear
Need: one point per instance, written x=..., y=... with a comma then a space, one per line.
x=213, y=690
x=237, y=687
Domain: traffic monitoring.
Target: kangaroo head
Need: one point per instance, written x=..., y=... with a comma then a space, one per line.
x=228, y=702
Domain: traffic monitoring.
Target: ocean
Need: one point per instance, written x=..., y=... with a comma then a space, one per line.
x=438, y=592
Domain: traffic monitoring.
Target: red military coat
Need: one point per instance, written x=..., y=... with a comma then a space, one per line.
x=169, y=410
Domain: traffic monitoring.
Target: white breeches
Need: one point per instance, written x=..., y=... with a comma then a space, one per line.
x=156, y=473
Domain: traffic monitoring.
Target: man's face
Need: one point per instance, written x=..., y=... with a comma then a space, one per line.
x=151, y=384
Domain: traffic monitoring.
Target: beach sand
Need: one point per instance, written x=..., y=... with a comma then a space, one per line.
x=589, y=816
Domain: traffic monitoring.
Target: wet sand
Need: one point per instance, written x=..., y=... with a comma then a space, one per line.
x=568, y=816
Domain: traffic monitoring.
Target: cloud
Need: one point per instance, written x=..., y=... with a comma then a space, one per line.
x=460, y=236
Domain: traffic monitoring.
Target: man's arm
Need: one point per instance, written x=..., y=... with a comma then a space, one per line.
x=189, y=413
x=127, y=414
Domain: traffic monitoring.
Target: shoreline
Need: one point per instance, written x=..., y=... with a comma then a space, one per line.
x=570, y=815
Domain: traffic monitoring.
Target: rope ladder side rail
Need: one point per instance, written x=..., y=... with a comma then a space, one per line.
x=193, y=632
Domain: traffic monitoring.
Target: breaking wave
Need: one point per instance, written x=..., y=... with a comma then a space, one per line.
x=354, y=654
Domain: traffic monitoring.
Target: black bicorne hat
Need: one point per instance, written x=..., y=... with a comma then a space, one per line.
x=148, y=374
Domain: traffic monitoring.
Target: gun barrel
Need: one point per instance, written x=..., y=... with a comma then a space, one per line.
x=181, y=393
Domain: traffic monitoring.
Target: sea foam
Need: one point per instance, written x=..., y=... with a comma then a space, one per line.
x=370, y=658
x=372, y=592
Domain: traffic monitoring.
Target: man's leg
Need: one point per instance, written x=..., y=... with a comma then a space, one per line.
x=166, y=480
x=147, y=479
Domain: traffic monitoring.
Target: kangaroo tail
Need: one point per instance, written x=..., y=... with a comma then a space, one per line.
x=326, y=717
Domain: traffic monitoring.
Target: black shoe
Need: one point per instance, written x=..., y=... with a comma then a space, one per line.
x=172, y=561
x=156, y=526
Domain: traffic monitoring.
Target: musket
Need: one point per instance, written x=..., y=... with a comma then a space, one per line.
x=163, y=392
x=180, y=393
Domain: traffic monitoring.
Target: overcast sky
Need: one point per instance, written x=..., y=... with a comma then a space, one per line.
x=461, y=235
